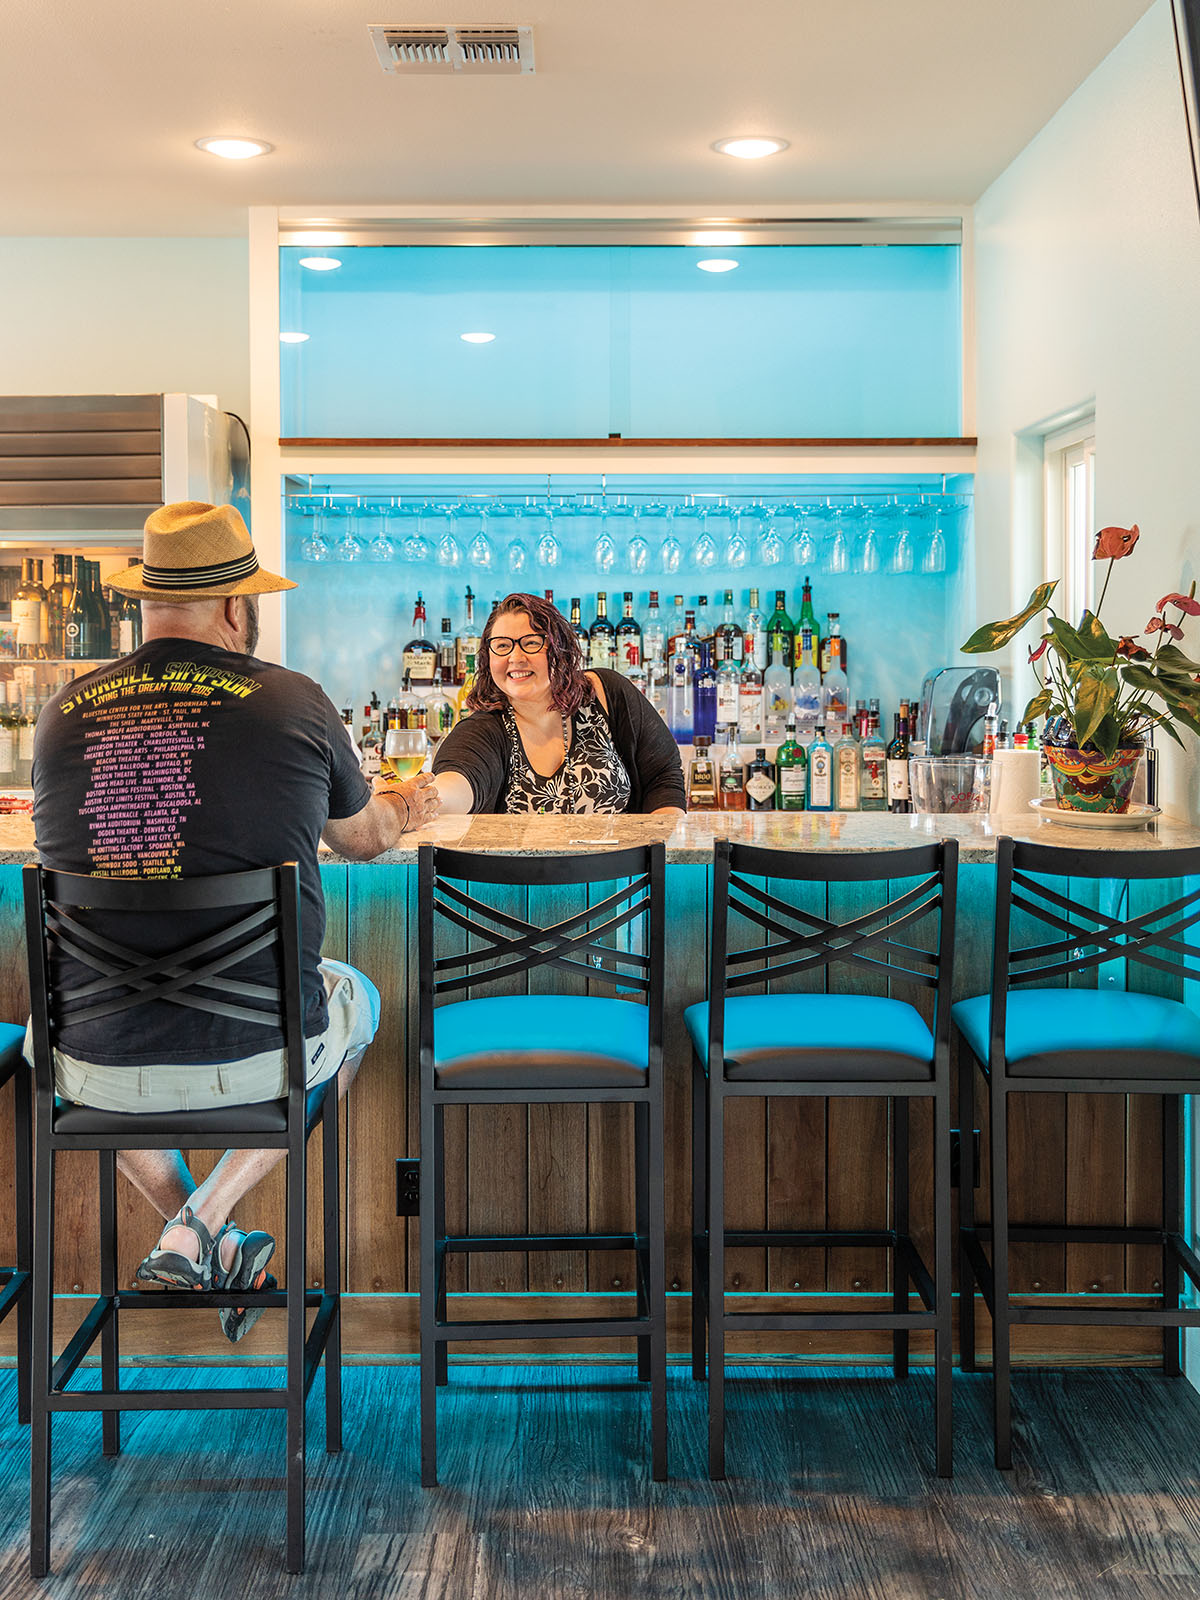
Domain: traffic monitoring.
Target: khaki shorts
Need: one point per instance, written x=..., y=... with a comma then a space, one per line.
x=196, y=1086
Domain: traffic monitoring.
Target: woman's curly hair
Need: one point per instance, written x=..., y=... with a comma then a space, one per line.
x=569, y=685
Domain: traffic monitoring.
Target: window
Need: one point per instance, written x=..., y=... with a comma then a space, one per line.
x=1070, y=495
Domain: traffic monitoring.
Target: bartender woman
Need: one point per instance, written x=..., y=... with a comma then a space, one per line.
x=547, y=736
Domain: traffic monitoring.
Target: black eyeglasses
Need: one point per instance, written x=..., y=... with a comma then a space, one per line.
x=530, y=644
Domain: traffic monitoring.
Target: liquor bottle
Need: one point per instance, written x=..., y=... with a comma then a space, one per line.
x=27, y=614
x=728, y=687
x=675, y=627
x=820, y=772
x=406, y=706
x=467, y=643
x=833, y=630
x=548, y=596
x=8, y=741
x=862, y=720
x=760, y=783
x=420, y=653
x=468, y=683
x=680, y=710
x=702, y=777
x=808, y=618
x=129, y=626
x=847, y=772
x=750, y=703
x=731, y=775
x=791, y=773
x=80, y=620
x=781, y=632
x=703, y=624
x=753, y=637
x=446, y=653
x=873, y=787
x=580, y=632
x=654, y=644
x=806, y=689
x=835, y=687
x=777, y=692
x=728, y=633
x=704, y=699
x=602, y=636
x=629, y=637
x=58, y=598
x=897, y=767
x=989, y=732
x=370, y=744
x=101, y=621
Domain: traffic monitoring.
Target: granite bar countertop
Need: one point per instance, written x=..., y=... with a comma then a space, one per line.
x=689, y=839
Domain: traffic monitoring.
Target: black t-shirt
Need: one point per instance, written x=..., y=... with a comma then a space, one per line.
x=184, y=760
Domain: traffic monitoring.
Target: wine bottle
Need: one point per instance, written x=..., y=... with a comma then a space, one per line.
x=27, y=614
x=80, y=619
x=781, y=631
x=897, y=767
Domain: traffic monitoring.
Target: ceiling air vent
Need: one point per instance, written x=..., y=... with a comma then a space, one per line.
x=406, y=48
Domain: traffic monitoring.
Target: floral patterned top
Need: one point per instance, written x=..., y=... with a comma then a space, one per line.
x=592, y=778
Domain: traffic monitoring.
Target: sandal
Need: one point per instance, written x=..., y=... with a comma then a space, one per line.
x=173, y=1270
x=247, y=1270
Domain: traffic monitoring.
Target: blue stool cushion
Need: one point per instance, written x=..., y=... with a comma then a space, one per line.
x=782, y=1037
x=1100, y=1032
x=541, y=1041
x=12, y=1040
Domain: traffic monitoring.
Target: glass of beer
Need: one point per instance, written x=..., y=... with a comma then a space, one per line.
x=404, y=753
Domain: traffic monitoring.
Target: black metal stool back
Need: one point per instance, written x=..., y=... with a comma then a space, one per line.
x=571, y=985
x=80, y=973
x=16, y=1281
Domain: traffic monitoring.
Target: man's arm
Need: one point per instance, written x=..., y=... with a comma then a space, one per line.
x=389, y=813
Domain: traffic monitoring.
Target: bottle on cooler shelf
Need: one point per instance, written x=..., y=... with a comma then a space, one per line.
x=820, y=772
x=847, y=771
x=702, y=777
x=806, y=689
x=753, y=636
x=102, y=626
x=629, y=638
x=728, y=687
x=39, y=577
x=777, y=692
x=781, y=633
x=750, y=703
x=602, y=636
x=80, y=622
x=420, y=653
x=791, y=772
x=8, y=741
x=27, y=614
x=25, y=724
x=897, y=765
x=680, y=706
x=728, y=639
x=731, y=775
x=760, y=783
x=873, y=784
x=58, y=603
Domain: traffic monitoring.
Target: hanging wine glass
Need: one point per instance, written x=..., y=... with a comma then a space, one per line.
x=480, y=554
x=637, y=553
x=671, y=554
x=751, y=525
x=416, y=547
x=604, y=551
x=772, y=549
x=901, y=558
x=835, y=556
x=654, y=527
x=314, y=546
x=449, y=550
x=737, y=551
x=687, y=527
x=382, y=547
x=517, y=557
x=719, y=524
x=348, y=546
x=933, y=556
x=866, y=557
x=804, y=545
x=703, y=554
x=548, y=551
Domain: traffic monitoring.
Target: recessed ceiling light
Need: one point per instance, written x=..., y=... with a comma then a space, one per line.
x=477, y=338
x=717, y=264
x=320, y=263
x=750, y=149
x=234, y=149
x=292, y=338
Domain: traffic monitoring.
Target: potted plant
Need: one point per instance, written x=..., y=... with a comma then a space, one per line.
x=1102, y=697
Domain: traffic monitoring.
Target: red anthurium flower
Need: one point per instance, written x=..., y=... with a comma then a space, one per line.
x=1131, y=651
x=1036, y=655
x=1114, y=542
x=1157, y=625
x=1185, y=602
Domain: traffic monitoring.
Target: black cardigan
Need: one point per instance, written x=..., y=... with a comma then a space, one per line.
x=479, y=748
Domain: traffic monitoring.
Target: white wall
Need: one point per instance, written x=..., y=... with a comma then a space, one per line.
x=125, y=316
x=1088, y=287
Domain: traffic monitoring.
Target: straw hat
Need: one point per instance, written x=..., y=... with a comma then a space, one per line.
x=194, y=551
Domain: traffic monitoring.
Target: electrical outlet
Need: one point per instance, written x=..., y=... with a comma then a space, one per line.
x=408, y=1186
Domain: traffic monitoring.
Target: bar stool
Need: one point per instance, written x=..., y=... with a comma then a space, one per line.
x=1067, y=1040
x=862, y=1043
x=536, y=1048
x=15, y=1280
x=232, y=916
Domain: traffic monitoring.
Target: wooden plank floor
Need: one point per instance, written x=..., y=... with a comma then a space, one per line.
x=546, y=1494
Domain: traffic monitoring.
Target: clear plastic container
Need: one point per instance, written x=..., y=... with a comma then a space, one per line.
x=949, y=784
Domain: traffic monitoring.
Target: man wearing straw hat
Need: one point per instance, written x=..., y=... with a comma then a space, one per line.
x=192, y=757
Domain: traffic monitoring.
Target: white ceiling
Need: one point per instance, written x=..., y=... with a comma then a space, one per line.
x=882, y=100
